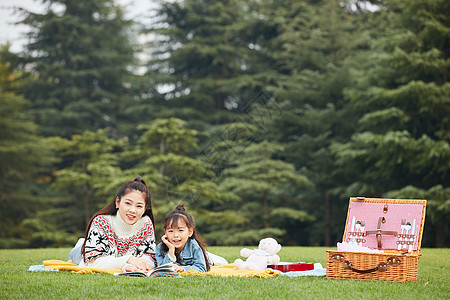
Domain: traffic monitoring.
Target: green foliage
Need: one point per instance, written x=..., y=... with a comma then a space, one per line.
x=438, y=200
x=23, y=156
x=171, y=135
x=80, y=52
x=286, y=213
x=262, y=116
x=43, y=234
x=201, y=58
x=93, y=162
x=253, y=236
x=315, y=47
x=162, y=153
x=261, y=182
x=163, y=156
x=402, y=147
x=438, y=206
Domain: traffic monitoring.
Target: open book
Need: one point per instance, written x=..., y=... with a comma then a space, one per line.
x=161, y=271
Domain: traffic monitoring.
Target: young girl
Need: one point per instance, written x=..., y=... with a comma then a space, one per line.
x=121, y=235
x=181, y=243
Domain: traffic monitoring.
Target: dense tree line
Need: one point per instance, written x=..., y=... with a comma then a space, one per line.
x=264, y=117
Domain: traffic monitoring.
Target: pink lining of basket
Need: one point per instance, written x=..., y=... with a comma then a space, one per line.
x=370, y=212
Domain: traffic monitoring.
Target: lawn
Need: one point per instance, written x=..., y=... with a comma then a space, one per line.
x=17, y=283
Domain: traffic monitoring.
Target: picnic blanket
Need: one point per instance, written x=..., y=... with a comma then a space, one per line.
x=61, y=265
x=222, y=271
x=230, y=271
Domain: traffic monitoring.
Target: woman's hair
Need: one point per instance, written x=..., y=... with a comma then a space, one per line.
x=138, y=184
x=172, y=219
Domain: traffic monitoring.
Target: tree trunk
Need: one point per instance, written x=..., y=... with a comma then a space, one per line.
x=162, y=146
x=266, y=210
x=439, y=235
x=327, y=219
x=87, y=215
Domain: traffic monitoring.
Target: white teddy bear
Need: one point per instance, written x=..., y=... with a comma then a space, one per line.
x=258, y=259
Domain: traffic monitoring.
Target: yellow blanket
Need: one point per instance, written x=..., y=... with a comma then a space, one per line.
x=221, y=271
x=61, y=265
x=230, y=271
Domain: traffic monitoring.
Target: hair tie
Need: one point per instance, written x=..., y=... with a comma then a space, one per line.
x=180, y=207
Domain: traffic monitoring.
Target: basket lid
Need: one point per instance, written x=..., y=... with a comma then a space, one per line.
x=389, y=224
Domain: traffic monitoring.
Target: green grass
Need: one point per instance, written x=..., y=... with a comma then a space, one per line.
x=17, y=283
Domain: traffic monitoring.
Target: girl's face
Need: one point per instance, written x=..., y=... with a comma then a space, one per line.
x=178, y=234
x=131, y=207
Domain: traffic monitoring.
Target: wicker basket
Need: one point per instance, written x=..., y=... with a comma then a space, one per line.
x=393, y=264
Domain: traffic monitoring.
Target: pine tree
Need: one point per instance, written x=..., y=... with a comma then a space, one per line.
x=402, y=148
x=23, y=155
x=79, y=51
x=313, y=49
x=91, y=179
x=165, y=155
x=263, y=184
x=200, y=60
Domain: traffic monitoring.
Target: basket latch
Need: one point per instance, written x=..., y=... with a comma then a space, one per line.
x=380, y=232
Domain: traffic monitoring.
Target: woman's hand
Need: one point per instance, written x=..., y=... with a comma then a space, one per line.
x=139, y=262
x=129, y=268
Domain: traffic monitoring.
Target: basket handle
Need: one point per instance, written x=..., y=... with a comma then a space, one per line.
x=382, y=266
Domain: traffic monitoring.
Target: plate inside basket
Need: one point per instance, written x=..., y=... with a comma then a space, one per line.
x=290, y=267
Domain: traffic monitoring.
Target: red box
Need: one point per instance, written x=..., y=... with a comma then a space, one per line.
x=290, y=267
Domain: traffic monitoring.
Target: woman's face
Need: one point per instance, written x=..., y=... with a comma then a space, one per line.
x=131, y=207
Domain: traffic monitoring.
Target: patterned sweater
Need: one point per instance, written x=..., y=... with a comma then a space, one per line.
x=111, y=242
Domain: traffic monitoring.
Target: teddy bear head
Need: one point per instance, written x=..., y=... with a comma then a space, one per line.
x=269, y=245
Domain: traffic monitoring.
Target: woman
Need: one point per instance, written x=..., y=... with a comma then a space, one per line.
x=120, y=235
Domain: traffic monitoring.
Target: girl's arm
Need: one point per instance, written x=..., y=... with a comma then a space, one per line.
x=199, y=263
x=164, y=257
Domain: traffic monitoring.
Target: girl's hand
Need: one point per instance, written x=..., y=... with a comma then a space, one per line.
x=178, y=268
x=168, y=244
x=138, y=262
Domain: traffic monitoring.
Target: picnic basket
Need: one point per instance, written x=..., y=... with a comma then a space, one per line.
x=394, y=226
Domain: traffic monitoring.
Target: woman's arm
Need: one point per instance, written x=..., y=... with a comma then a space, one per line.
x=97, y=243
x=146, y=249
x=101, y=248
x=109, y=262
x=100, y=251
